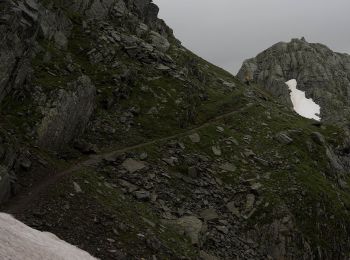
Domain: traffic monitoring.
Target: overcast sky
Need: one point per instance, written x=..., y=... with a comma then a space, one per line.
x=226, y=32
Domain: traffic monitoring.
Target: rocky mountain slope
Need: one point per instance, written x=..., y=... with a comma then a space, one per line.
x=121, y=141
x=323, y=74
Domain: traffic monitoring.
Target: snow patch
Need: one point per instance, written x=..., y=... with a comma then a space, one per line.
x=305, y=107
x=18, y=241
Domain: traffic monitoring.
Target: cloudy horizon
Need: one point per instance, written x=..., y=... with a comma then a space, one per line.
x=227, y=32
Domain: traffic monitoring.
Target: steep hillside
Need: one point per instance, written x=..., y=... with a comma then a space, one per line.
x=323, y=74
x=121, y=141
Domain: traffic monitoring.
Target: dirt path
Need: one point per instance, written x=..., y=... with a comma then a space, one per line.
x=21, y=202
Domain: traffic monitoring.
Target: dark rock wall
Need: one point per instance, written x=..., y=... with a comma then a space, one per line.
x=68, y=114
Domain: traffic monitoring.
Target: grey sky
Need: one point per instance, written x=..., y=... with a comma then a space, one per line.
x=226, y=32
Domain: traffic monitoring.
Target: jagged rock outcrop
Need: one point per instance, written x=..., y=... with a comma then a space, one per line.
x=18, y=29
x=26, y=23
x=323, y=74
x=68, y=114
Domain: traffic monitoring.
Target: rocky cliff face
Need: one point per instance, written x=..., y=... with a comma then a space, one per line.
x=323, y=74
x=25, y=25
x=46, y=97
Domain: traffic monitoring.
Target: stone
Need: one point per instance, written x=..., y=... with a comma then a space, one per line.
x=205, y=256
x=132, y=165
x=229, y=167
x=256, y=186
x=192, y=172
x=77, y=187
x=283, y=138
x=99, y=9
x=248, y=153
x=192, y=227
x=216, y=150
x=222, y=229
x=67, y=114
x=172, y=161
x=250, y=202
x=209, y=214
x=233, y=209
x=120, y=8
x=162, y=67
x=343, y=184
x=85, y=147
x=195, y=138
x=229, y=85
x=232, y=140
x=220, y=129
x=262, y=161
x=334, y=160
x=61, y=40
x=142, y=195
x=159, y=42
x=153, y=111
x=318, y=138
x=128, y=186
x=143, y=156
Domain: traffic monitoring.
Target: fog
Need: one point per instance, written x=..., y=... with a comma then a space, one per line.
x=226, y=32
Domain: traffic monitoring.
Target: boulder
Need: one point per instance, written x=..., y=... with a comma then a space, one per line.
x=195, y=138
x=233, y=209
x=192, y=227
x=132, y=165
x=99, y=9
x=318, y=138
x=159, y=42
x=229, y=167
x=142, y=195
x=216, y=150
x=77, y=187
x=209, y=214
x=67, y=115
x=283, y=138
x=85, y=147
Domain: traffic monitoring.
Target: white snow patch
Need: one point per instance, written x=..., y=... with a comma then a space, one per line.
x=305, y=107
x=18, y=242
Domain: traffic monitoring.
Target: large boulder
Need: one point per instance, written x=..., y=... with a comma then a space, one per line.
x=67, y=115
x=159, y=42
x=192, y=227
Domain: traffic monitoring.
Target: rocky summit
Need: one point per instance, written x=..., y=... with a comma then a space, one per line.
x=117, y=139
x=323, y=74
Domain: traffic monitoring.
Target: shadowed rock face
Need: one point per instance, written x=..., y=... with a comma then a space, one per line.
x=68, y=114
x=5, y=184
x=18, y=29
x=25, y=24
x=323, y=74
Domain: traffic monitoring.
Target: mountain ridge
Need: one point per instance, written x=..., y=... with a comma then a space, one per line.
x=207, y=167
x=320, y=72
